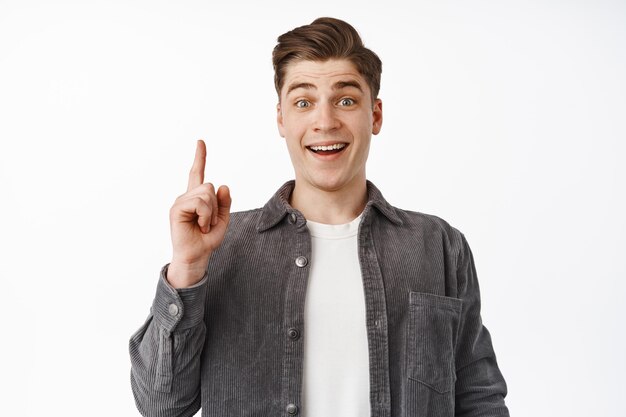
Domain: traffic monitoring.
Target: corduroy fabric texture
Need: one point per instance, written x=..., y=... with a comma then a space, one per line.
x=233, y=344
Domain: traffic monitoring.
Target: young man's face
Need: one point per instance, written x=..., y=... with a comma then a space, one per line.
x=326, y=115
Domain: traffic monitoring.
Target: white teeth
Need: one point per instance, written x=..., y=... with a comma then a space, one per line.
x=329, y=147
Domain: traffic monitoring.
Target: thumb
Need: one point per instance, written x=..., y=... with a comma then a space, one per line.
x=223, y=203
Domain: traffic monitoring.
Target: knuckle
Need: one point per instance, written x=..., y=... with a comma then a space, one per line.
x=207, y=186
x=174, y=210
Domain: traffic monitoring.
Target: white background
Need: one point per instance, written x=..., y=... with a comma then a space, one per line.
x=506, y=118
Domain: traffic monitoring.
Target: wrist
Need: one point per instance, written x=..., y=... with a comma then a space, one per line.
x=183, y=274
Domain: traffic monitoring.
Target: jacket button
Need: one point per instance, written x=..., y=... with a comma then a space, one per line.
x=293, y=334
x=173, y=309
x=293, y=218
x=292, y=409
x=301, y=261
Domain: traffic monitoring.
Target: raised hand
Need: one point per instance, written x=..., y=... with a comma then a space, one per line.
x=198, y=221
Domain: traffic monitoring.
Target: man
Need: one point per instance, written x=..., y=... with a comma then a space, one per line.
x=328, y=300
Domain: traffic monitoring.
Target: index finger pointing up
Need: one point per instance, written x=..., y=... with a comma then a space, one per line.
x=196, y=175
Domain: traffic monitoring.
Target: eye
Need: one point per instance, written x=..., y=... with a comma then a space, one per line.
x=302, y=104
x=346, y=102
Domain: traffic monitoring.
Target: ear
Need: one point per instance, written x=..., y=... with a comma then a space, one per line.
x=279, y=120
x=377, y=116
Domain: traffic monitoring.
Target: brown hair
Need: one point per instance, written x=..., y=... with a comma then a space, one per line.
x=326, y=38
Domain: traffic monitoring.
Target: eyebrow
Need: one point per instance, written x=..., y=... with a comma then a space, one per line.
x=337, y=86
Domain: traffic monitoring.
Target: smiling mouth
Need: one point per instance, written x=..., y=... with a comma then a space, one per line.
x=328, y=149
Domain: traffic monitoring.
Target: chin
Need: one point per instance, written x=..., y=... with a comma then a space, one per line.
x=331, y=184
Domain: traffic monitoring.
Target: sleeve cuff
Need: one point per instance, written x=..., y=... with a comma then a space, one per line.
x=179, y=308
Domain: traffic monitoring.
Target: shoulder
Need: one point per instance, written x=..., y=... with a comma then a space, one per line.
x=241, y=233
x=244, y=222
x=428, y=228
x=431, y=226
x=437, y=236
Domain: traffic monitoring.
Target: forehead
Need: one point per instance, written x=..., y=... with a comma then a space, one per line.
x=322, y=73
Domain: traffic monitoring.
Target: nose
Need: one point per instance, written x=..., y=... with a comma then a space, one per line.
x=326, y=119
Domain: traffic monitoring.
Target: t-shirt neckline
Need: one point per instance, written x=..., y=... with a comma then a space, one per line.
x=334, y=231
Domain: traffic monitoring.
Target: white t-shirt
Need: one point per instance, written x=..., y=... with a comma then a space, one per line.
x=336, y=358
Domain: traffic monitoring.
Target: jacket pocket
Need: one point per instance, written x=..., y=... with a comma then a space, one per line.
x=431, y=337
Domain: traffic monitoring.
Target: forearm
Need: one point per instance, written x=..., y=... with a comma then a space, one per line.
x=480, y=387
x=165, y=353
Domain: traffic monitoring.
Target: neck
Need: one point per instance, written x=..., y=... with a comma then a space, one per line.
x=329, y=207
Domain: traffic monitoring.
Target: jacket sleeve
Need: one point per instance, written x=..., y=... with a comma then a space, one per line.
x=480, y=387
x=165, y=352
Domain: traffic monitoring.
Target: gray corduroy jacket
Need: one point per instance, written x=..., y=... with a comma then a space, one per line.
x=233, y=343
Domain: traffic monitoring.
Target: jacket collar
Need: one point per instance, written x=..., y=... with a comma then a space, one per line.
x=278, y=206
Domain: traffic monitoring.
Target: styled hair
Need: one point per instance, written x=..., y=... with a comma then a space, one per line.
x=326, y=38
